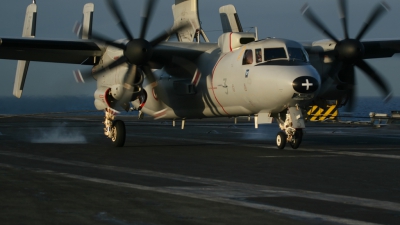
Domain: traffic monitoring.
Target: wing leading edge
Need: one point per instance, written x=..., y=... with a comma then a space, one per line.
x=373, y=49
x=381, y=49
x=73, y=52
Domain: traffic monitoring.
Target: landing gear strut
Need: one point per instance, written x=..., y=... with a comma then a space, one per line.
x=114, y=129
x=291, y=129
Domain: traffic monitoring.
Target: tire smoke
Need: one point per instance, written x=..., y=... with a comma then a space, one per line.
x=59, y=134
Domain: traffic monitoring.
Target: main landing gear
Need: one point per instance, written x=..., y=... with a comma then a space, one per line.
x=291, y=129
x=114, y=129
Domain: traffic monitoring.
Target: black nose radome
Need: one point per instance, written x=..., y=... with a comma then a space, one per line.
x=305, y=84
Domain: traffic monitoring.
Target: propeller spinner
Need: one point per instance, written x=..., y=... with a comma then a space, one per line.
x=349, y=52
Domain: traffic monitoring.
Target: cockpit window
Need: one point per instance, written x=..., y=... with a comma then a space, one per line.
x=258, y=55
x=297, y=54
x=248, y=57
x=274, y=53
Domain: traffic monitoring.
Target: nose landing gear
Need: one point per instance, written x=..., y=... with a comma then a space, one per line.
x=297, y=139
x=281, y=140
x=294, y=139
x=291, y=129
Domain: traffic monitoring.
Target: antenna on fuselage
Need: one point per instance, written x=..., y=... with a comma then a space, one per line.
x=255, y=32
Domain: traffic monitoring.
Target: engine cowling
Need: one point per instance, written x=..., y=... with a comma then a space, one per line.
x=102, y=98
x=117, y=91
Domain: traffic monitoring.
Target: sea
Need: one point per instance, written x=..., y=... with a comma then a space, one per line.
x=84, y=105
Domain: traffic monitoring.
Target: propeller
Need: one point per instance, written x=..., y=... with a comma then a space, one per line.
x=349, y=52
x=136, y=52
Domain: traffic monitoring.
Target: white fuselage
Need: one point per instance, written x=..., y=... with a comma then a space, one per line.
x=227, y=87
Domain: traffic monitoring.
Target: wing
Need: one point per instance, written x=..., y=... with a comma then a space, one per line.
x=74, y=52
x=180, y=58
x=373, y=49
x=381, y=49
x=189, y=50
x=79, y=52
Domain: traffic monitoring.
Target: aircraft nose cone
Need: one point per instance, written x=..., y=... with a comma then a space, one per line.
x=305, y=84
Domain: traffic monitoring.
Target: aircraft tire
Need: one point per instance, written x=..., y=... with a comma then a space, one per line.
x=119, y=133
x=298, y=137
x=281, y=140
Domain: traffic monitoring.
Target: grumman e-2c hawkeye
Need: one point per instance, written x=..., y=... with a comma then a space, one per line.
x=238, y=76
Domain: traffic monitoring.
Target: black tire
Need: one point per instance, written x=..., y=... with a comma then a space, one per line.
x=281, y=140
x=120, y=133
x=297, y=139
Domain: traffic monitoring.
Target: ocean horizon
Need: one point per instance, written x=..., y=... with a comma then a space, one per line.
x=85, y=105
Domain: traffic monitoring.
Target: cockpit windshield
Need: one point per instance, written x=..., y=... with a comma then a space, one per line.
x=282, y=55
x=297, y=54
x=274, y=53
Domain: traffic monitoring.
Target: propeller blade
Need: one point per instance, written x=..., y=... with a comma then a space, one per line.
x=128, y=87
x=163, y=36
x=343, y=17
x=375, y=77
x=306, y=11
x=350, y=100
x=152, y=78
x=149, y=73
x=350, y=79
x=116, y=11
x=130, y=78
x=80, y=77
x=335, y=68
x=148, y=11
x=106, y=40
x=121, y=60
x=373, y=18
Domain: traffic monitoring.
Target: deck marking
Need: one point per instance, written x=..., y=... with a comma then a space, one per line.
x=188, y=192
x=328, y=151
x=251, y=189
x=299, y=156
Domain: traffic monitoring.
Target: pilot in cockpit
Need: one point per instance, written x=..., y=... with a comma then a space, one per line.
x=258, y=56
x=248, y=57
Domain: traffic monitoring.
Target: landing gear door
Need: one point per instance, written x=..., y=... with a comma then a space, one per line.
x=297, y=118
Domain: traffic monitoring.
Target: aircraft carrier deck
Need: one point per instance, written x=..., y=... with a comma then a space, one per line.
x=60, y=169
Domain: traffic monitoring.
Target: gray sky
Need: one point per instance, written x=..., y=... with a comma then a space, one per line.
x=274, y=18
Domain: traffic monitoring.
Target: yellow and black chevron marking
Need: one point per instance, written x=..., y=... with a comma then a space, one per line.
x=320, y=114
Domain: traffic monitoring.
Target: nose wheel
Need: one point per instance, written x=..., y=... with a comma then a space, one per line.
x=291, y=125
x=296, y=139
x=293, y=139
x=281, y=139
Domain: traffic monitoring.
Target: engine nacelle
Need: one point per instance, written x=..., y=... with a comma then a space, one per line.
x=102, y=98
x=117, y=91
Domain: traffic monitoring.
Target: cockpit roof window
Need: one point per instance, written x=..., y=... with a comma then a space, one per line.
x=297, y=54
x=274, y=53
